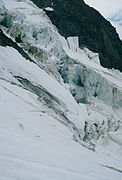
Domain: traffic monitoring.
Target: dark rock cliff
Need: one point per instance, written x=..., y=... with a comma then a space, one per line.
x=75, y=18
x=6, y=41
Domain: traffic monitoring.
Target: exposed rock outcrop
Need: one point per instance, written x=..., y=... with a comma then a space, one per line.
x=75, y=18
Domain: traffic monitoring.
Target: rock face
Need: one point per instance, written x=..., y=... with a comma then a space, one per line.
x=6, y=41
x=116, y=21
x=94, y=32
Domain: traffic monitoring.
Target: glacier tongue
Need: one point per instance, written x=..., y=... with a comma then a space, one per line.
x=65, y=96
x=36, y=142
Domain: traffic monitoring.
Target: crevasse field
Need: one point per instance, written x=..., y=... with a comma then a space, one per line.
x=43, y=131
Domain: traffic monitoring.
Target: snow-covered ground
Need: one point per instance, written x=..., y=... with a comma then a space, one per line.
x=43, y=130
x=33, y=143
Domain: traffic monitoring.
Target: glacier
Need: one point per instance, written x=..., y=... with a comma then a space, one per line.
x=61, y=111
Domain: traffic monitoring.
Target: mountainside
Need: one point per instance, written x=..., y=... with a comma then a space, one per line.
x=116, y=20
x=94, y=32
x=60, y=110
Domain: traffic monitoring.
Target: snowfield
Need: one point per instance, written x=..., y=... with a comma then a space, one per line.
x=34, y=144
x=46, y=132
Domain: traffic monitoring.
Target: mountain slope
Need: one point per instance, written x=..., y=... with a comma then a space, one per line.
x=94, y=32
x=34, y=142
x=116, y=20
x=60, y=110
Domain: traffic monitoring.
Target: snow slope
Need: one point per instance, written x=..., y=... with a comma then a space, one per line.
x=44, y=132
x=33, y=144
